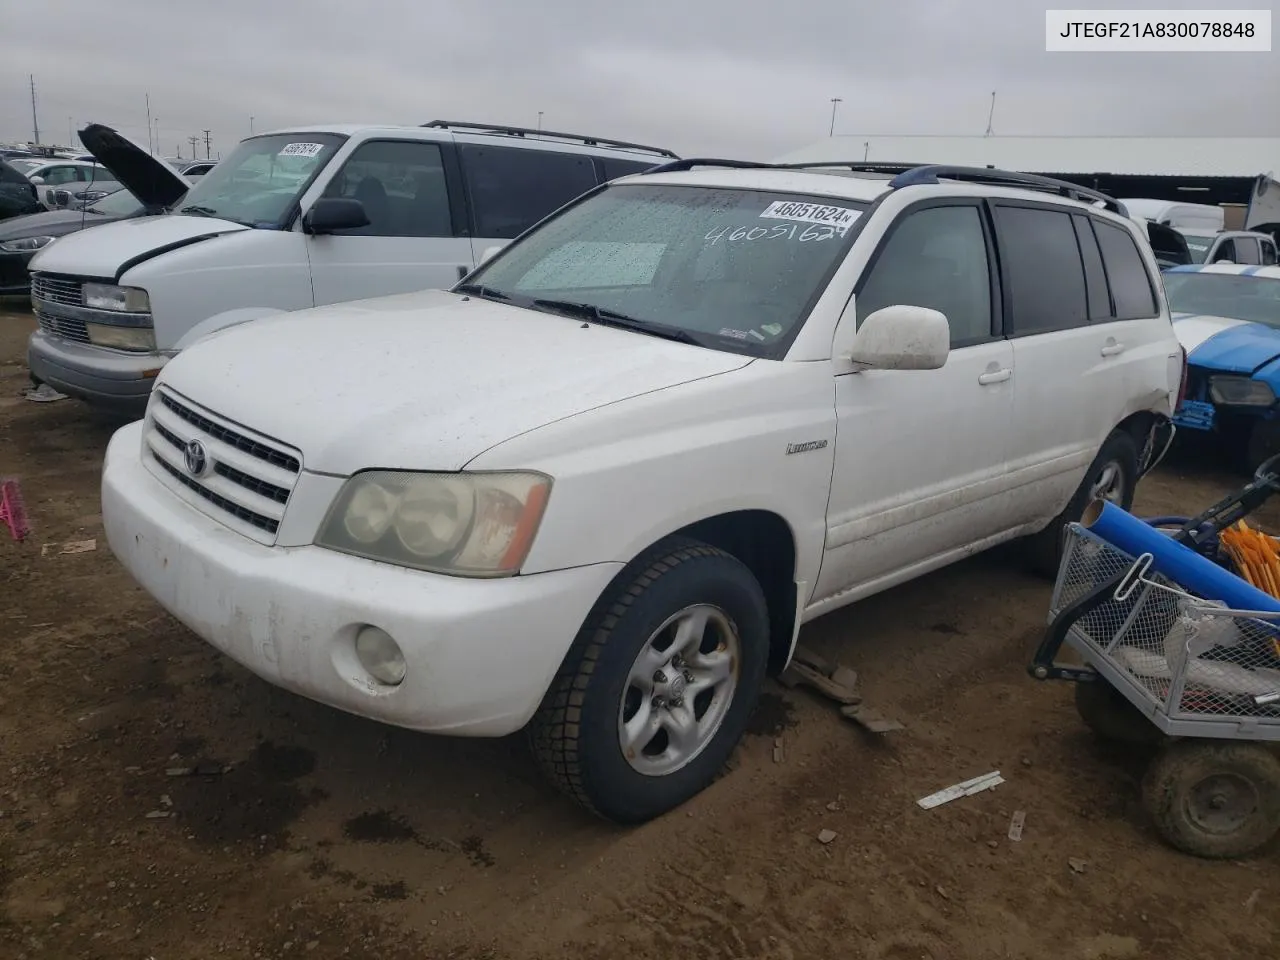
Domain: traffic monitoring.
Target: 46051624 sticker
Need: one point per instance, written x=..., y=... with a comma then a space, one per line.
x=842, y=218
x=301, y=149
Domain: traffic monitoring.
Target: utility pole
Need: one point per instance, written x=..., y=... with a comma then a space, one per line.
x=834, y=102
x=251, y=125
x=991, y=116
x=539, y=119
x=71, y=131
x=150, y=148
x=207, y=149
x=193, y=141
x=35, y=121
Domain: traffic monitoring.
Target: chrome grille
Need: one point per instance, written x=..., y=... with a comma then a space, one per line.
x=248, y=478
x=55, y=289
x=64, y=327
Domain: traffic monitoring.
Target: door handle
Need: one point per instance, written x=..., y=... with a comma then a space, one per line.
x=1112, y=348
x=995, y=376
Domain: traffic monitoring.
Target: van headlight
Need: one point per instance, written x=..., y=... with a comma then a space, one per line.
x=107, y=296
x=464, y=524
x=26, y=244
x=1241, y=392
x=136, y=339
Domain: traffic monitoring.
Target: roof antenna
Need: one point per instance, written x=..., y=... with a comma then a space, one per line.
x=991, y=115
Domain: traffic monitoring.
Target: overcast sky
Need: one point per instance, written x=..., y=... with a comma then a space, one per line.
x=746, y=78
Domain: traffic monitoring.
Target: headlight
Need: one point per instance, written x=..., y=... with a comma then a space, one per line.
x=138, y=339
x=105, y=296
x=1241, y=392
x=465, y=524
x=26, y=244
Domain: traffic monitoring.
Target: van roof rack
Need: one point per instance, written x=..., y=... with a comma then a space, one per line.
x=911, y=175
x=509, y=131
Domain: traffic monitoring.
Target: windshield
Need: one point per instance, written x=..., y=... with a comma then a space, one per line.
x=1199, y=244
x=259, y=183
x=26, y=166
x=122, y=203
x=1234, y=296
x=737, y=270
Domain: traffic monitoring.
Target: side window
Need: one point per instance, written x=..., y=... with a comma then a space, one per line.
x=1043, y=270
x=613, y=169
x=1247, y=250
x=56, y=176
x=1126, y=272
x=511, y=189
x=1269, y=256
x=1095, y=277
x=1225, y=251
x=936, y=258
x=401, y=185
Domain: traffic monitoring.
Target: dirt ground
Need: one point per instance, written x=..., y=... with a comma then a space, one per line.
x=304, y=832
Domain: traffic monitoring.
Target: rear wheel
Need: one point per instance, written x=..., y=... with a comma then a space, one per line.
x=1110, y=716
x=1112, y=476
x=659, y=684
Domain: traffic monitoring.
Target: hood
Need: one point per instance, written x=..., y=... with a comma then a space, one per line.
x=149, y=178
x=101, y=253
x=422, y=380
x=1223, y=345
x=51, y=223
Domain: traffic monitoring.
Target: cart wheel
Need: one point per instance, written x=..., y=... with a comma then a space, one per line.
x=1110, y=716
x=1213, y=798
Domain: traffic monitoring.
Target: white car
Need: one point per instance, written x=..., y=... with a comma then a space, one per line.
x=288, y=220
x=79, y=175
x=596, y=488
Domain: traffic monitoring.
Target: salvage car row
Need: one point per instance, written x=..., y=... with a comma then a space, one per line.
x=473, y=430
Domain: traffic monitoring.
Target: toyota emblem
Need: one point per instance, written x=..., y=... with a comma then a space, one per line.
x=196, y=458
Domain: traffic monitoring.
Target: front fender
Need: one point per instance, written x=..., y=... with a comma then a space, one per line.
x=222, y=321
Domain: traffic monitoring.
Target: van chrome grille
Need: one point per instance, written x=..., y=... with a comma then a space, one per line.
x=64, y=327
x=56, y=289
x=245, y=479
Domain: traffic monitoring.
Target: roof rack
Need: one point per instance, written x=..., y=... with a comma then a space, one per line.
x=529, y=131
x=916, y=174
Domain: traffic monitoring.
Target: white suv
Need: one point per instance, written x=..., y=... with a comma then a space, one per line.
x=597, y=487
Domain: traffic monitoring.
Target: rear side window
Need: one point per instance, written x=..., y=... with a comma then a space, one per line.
x=1126, y=272
x=1247, y=250
x=512, y=189
x=1043, y=271
x=1268, y=252
x=613, y=169
x=1095, y=277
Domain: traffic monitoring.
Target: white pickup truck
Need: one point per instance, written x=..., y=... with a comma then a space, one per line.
x=595, y=489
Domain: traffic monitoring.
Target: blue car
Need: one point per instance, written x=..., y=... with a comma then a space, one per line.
x=1227, y=318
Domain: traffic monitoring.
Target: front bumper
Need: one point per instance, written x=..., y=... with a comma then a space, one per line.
x=108, y=378
x=480, y=653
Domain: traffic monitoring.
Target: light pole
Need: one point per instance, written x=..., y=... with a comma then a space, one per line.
x=251, y=126
x=539, y=119
x=834, y=102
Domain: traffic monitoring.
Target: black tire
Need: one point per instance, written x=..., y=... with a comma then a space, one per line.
x=575, y=733
x=1044, y=549
x=1110, y=716
x=1189, y=777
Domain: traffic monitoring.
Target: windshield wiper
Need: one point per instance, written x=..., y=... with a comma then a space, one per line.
x=202, y=211
x=480, y=290
x=612, y=318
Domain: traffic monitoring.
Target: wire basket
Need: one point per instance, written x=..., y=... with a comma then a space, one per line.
x=1194, y=667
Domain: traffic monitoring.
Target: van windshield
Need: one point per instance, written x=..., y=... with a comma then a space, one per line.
x=731, y=269
x=1198, y=244
x=259, y=183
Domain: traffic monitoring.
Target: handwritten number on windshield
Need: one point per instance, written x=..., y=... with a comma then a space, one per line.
x=793, y=231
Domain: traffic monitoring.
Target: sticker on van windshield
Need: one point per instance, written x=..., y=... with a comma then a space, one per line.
x=301, y=149
x=841, y=218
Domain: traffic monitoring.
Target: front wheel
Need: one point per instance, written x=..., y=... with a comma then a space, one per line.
x=1112, y=476
x=658, y=686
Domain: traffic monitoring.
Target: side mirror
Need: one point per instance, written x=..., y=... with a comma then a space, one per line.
x=489, y=254
x=329, y=214
x=1225, y=260
x=902, y=337
x=38, y=181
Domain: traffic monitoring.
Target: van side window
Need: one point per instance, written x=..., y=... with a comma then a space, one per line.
x=1127, y=274
x=613, y=169
x=1095, y=277
x=1247, y=250
x=935, y=258
x=1044, y=274
x=401, y=185
x=511, y=189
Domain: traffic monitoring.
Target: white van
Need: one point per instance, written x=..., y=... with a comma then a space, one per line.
x=1190, y=216
x=293, y=219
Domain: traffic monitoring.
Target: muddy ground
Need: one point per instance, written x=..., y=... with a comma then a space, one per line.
x=327, y=836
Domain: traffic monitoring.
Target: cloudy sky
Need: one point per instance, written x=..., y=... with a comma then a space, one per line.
x=748, y=78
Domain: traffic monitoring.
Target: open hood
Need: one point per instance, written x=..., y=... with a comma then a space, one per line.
x=148, y=178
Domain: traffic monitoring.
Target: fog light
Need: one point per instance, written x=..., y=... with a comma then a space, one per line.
x=380, y=655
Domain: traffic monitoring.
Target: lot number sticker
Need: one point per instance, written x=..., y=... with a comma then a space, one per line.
x=301, y=149
x=841, y=218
